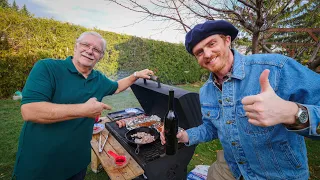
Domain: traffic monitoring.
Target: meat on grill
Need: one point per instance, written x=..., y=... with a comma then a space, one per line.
x=142, y=138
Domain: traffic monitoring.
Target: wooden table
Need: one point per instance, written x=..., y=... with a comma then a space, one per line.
x=131, y=171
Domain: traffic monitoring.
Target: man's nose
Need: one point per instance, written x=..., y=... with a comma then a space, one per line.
x=207, y=53
x=90, y=50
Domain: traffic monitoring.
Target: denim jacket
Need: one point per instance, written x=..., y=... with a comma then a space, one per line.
x=259, y=152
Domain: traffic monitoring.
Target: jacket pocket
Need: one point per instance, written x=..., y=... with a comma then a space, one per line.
x=289, y=155
x=209, y=111
x=249, y=128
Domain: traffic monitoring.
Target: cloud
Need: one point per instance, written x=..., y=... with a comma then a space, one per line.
x=107, y=16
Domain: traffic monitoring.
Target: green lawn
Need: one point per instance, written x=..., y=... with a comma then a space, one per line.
x=11, y=123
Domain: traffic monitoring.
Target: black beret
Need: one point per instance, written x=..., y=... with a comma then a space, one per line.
x=202, y=31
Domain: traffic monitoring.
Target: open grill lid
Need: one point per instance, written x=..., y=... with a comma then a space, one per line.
x=153, y=97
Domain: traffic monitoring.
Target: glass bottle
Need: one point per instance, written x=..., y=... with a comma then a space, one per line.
x=171, y=127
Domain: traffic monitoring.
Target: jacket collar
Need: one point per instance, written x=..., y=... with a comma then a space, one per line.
x=238, y=65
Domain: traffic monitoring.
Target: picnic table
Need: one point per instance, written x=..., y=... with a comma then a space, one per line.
x=130, y=171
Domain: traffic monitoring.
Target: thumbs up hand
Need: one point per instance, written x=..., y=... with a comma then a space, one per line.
x=267, y=108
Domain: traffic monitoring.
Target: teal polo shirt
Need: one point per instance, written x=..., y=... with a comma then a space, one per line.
x=59, y=150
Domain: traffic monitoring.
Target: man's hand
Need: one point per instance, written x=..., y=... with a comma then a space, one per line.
x=146, y=73
x=267, y=108
x=93, y=108
x=182, y=137
x=124, y=83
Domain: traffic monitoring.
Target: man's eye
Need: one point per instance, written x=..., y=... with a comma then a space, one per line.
x=212, y=44
x=96, y=50
x=199, y=53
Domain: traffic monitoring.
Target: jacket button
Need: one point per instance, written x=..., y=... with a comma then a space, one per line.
x=241, y=162
x=227, y=99
x=208, y=113
x=233, y=143
x=229, y=122
x=220, y=102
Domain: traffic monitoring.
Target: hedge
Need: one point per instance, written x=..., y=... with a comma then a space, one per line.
x=26, y=39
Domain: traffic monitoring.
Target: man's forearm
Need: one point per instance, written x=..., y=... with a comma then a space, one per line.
x=124, y=83
x=46, y=113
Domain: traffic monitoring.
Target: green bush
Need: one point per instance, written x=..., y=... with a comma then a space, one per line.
x=14, y=70
x=170, y=61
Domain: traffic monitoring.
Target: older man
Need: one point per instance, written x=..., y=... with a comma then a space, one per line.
x=258, y=120
x=60, y=101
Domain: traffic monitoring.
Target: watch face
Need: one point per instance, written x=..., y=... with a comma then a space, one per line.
x=303, y=118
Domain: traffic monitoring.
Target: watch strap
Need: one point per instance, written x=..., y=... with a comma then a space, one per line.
x=298, y=124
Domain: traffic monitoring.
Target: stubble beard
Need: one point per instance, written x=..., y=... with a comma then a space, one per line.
x=220, y=64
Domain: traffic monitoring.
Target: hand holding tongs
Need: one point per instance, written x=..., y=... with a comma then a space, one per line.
x=104, y=143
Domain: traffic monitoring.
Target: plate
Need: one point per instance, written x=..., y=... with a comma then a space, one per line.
x=97, y=128
x=131, y=110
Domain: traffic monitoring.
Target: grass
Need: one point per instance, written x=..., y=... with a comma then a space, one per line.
x=11, y=124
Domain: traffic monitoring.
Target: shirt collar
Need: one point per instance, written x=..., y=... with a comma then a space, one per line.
x=70, y=65
x=73, y=69
x=227, y=76
x=237, y=68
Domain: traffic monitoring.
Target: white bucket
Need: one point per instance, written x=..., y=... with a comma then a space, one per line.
x=16, y=97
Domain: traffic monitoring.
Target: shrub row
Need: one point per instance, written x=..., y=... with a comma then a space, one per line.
x=26, y=39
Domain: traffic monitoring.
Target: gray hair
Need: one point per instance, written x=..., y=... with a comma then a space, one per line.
x=104, y=42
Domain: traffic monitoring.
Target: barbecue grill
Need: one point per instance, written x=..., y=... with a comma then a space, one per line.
x=153, y=98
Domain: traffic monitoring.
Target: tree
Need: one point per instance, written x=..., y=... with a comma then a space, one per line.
x=24, y=10
x=15, y=6
x=254, y=17
x=4, y=4
x=305, y=16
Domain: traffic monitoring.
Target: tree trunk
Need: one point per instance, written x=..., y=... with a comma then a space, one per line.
x=255, y=42
x=314, y=60
x=314, y=64
x=314, y=53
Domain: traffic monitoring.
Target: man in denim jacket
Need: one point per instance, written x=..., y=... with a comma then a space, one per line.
x=261, y=122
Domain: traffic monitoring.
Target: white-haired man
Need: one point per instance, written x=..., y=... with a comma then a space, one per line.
x=59, y=104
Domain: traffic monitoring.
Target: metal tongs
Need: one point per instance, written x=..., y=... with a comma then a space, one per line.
x=104, y=143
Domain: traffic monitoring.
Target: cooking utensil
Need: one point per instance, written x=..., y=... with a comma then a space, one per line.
x=123, y=116
x=104, y=143
x=151, y=131
x=119, y=160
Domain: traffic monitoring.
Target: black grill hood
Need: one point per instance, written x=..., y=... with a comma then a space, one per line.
x=153, y=98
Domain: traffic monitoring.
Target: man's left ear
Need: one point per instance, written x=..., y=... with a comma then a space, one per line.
x=228, y=41
x=100, y=58
x=75, y=48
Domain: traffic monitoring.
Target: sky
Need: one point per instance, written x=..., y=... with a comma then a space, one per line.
x=102, y=15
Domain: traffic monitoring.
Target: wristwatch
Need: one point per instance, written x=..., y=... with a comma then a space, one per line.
x=302, y=115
